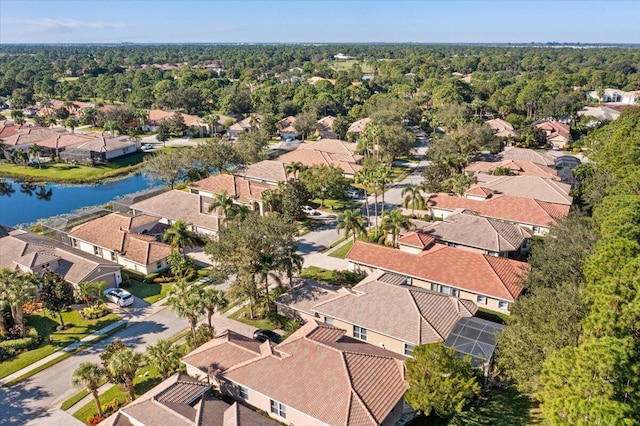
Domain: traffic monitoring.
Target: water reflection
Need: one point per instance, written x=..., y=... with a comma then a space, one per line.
x=41, y=192
x=6, y=188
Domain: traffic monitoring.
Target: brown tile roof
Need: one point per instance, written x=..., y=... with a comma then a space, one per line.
x=507, y=207
x=479, y=191
x=492, y=276
x=287, y=124
x=311, y=157
x=502, y=127
x=358, y=126
x=409, y=313
x=8, y=130
x=325, y=378
x=325, y=124
x=332, y=146
x=309, y=293
x=74, y=265
x=526, y=154
x=178, y=205
x=223, y=352
x=266, y=171
x=236, y=187
x=476, y=231
x=519, y=167
x=157, y=115
x=554, y=128
x=416, y=239
x=534, y=187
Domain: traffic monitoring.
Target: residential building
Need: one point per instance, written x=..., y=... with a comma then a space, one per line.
x=100, y=150
x=503, y=128
x=357, y=128
x=535, y=187
x=469, y=231
x=173, y=206
x=132, y=241
x=195, y=125
x=33, y=253
x=515, y=167
x=616, y=96
x=184, y=401
x=600, y=113
x=325, y=127
x=244, y=125
x=317, y=376
x=492, y=282
x=526, y=154
x=241, y=190
x=269, y=172
x=286, y=128
x=382, y=310
x=538, y=216
x=558, y=135
x=325, y=152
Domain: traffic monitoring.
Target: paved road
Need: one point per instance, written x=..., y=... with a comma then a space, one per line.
x=37, y=399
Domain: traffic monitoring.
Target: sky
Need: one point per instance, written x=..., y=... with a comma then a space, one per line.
x=305, y=21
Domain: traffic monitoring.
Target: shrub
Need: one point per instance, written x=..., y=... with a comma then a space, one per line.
x=151, y=278
x=113, y=406
x=135, y=275
x=94, y=312
x=11, y=347
x=94, y=420
x=160, y=280
x=204, y=333
x=32, y=308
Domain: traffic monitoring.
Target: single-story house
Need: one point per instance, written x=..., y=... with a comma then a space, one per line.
x=325, y=127
x=269, y=172
x=317, y=376
x=469, y=231
x=35, y=254
x=382, y=310
x=526, y=154
x=600, y=113
x=516, y=167
x=503, y=128
x=490, y=281
x=172, y=206
x=535, y=187
x=241, y=190
x=558, y=134
x=132, y=241
x=538, y=216
x=286, y=128
x=195, y=125
x=244, y=125
x=357, y=128
x=100, y=149
x=325, y=152
x=616, y=95
x=184, y=401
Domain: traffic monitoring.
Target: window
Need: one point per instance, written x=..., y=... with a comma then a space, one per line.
x=408, y=349
x=113, y=256
x=97, y=250
x=407, y=281
x=244, y=392
x=455, y=292
x=482, y=299
x=328, y=320
x=536, y=229
x=434, y=287
x=503, y=305
x=74, y=243
x=359, y=333
x=444, y=289
x=159, y=264
x=278, y=409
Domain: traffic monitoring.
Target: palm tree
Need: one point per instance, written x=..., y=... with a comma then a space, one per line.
x=141, y=115
x=125, y=363
x=364, y=178
x=211, y=120
x=412, y=195
x=221, y=203
x=89, y=374
x=35, y=150
x=290, y=262
x=293, y=169
x=394, y=222
x=16, y=290
x=187, y=302
x=213, y=300
x=459, y=183
x=19, y=154
x=352, y=223
x=52, y=121
x=238, y=213
x=165, y=356
x=111, y=126
x=179, y=236
x=384, y=176
x=72, y=123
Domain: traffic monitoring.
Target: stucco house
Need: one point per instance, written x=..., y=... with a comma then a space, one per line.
x=244, y=125
x=527, y=154
x=356, y=128
x=558, y=135
x=538, y=188
x=286, y=128
x=325, y=152
x=241, y=190
x=269, y=172
x=317, y=376
x=33, y=253
x=490, y=281
x=516, y=167
x=195, y=125
x=382, y=310
x=325, y=127
x=503, y=128
x=132, y=241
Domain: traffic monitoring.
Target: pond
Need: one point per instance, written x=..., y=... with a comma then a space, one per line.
x=22, y=203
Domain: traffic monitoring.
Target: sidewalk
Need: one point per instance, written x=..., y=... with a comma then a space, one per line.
x=72, y=347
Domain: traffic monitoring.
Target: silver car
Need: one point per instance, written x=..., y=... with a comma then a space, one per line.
x=119, y=296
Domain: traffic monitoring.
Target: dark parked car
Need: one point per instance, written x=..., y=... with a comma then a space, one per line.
x=264, y=335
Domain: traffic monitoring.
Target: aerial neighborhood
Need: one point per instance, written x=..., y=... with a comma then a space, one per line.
x=320, y=235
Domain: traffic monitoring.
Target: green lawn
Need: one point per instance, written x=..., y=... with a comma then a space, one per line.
x=341, y=252
x=315, y=273
x=151, y=292
x=142, y=384
x=242, y=315
x=77, y=397
x=46, y=326
x=68, y=173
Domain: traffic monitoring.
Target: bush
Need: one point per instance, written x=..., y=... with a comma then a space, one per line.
x=94, y=312
x=9, y=348
x=134, y=275
x=94, y=420
x=161, y=280
x=114, y=405
x=151, y=278
x=204, y=333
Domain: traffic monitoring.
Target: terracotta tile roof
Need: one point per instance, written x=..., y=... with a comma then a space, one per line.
x=502, y=127
x=554, y=128
x=519, y=167
x=74, y=265
x=325, y=124
x=178, y=205
x=310, y=157
x=463, y=269
x=266, y=171
x=507, y=207
x=287, y=125
x=479, y=191
x=472, y=230
x=416, y=239
x=326, y=378
x=236, y=187
x=8, y=130
x=156, y=115
x=223, y=352
x=525, y=186
x=526, y=154
x=409, y=313
x=332, y=146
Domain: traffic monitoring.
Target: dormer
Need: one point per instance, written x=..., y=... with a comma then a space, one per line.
x=416, y=242
x=478, y=193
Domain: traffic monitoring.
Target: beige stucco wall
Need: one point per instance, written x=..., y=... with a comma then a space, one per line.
x=376, y=339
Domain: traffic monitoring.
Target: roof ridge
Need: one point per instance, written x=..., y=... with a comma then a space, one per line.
x=486, y=257
x=353, y=389
x=424, y=318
